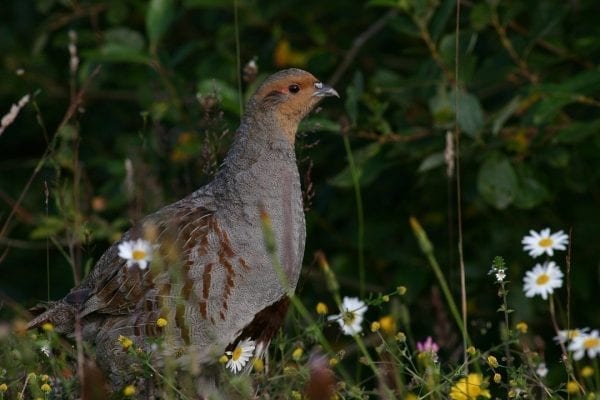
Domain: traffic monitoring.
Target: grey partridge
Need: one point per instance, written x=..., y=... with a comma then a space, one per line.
x=212, y=280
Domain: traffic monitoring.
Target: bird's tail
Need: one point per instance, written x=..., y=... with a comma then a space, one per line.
x=59, y=313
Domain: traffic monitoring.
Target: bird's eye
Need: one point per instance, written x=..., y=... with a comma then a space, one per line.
x=294, y=88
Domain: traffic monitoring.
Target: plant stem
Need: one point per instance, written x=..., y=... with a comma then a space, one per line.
x=359, y=213
x=427, y=249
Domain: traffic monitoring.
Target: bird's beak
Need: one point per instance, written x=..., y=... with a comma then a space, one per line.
x=324, y=91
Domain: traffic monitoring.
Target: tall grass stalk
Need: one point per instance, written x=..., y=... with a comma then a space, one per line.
x=359, y=215
x=427, y=249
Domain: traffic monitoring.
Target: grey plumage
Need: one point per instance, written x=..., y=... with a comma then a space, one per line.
x=212, y=275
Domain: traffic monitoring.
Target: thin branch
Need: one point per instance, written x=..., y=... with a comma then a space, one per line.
x=358, y=43
x=507, y=44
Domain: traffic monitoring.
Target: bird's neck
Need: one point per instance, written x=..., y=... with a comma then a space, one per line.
x=260, y=147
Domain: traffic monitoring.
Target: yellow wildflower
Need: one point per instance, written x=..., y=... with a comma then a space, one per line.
x=522, y=327
x=469, y=388
x=47, y=327
x=492, y=361
x=385, y=298
x=572, y=387
x=401, y=337
x=3, y=388
x=46, y=388
x=333, y=361
x=472, y=351
x=258, y=364
x=129, y=390
x=401, y=290
x=587, y=371
x=497, y=378
x=388, y=324
x=297, y=353
x=375, y=326
x=411, y=396
x=223, y=359
x=161, y=322
x=126, y=343
x=322, y=309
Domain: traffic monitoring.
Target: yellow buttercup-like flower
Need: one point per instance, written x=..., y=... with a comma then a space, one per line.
x=469, y=388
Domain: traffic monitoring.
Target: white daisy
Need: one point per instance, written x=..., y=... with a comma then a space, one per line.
x=586, y=342
x=351, y=315
x=569, y=334
x=136, y=252
x=542, y=280
x=544, y=242
x=240, y=355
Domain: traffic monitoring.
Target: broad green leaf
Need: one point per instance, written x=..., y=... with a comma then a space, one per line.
x=121, y=45
x=159, y=16
x=531, y=192
x=497, y=181
x=470, y=113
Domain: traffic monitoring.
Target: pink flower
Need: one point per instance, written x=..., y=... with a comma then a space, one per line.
x=428, y=346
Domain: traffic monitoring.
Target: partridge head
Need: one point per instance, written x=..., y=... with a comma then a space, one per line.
x=211, y=281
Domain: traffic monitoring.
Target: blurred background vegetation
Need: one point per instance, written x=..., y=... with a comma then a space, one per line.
x=161, y=83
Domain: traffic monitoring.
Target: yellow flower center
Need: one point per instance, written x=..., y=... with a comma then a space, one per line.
x=236, y=353
x=590, y=343
x=546, y=242
x=348, y=317
x=139, y=255
x=542, y=279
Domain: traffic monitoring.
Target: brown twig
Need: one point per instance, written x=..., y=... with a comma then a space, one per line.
x=507, y=44
x=393, y=137
x=358, y=43
x=437, y=58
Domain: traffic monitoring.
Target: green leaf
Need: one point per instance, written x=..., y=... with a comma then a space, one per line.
x=48, y=226
x=577, y=131
x=121, y=45
x=432, y=161
x=353, y=94
x=441, y=108
x=470, y=113
x=505, y=113
x=318, y=124
x=531, y=192
x=159, y=16
x=480, y=16
x=368, y=167
x=497, y=181
x=227, y=94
